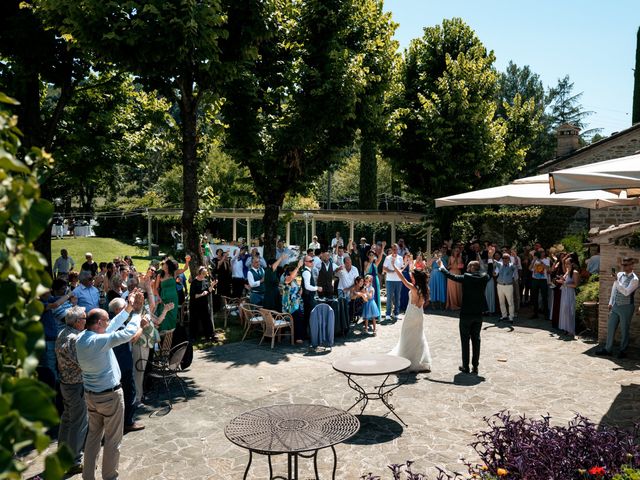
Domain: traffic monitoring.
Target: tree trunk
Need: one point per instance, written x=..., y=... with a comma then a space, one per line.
x=31, y=126
x=635, y=115
x=368, y=198
x=272, y=208
x=190, y=204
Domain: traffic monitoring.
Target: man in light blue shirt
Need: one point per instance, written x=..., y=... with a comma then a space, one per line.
x=101, y=379
x=504, y=272
x=88, y=296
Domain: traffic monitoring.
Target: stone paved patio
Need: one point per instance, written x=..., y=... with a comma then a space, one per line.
x=526, y=369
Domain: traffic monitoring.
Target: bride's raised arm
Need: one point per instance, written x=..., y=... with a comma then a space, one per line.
x=406, y=282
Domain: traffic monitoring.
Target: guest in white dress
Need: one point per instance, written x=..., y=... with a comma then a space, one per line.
x=569, y=281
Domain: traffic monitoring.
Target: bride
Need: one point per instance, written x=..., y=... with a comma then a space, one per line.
x=412, y=344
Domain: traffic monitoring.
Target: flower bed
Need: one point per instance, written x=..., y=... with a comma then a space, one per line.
x=516, y=447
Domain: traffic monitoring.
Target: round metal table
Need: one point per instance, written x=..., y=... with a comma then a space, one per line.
x=372, y=365
x=293, y=429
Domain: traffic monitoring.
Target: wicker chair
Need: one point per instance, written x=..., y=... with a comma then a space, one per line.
x=251, y=317
x=274, y=322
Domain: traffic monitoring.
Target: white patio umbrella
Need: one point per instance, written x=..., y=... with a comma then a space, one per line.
x=535, y=191
x=620, y=176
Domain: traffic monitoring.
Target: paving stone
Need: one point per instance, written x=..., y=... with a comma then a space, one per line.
x=526, y=369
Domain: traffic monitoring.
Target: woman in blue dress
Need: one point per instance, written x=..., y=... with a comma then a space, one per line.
x=437, y=284
x=371, y=268
x=407, y=261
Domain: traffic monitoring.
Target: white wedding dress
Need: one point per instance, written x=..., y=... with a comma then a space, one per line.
x=412, y=344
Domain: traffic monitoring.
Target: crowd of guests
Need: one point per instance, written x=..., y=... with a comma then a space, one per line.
x=101, y=326
x=543, y=279
x=348, y=272
x=103, y=322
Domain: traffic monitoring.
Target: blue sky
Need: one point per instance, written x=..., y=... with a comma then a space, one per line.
x=594, y=42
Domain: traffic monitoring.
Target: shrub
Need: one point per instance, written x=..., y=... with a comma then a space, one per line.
x=628, y=473
x=515, y=447
x=26, y=405
x=536, y=450
x=588, y=292
x=575, y=243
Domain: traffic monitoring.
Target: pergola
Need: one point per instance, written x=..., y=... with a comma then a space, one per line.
x=310, y=217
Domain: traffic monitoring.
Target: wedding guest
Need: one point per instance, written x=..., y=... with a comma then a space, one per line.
x=568, y=283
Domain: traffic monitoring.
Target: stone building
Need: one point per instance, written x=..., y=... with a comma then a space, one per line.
x=613, y=249
x=619, y=144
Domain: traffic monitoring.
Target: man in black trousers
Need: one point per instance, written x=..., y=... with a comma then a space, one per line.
x=474, y=303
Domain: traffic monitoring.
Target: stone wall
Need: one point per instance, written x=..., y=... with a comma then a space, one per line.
x=611, y=257
x=605, y=217
x=619, y=145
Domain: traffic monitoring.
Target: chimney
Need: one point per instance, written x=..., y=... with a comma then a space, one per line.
x=568, y=139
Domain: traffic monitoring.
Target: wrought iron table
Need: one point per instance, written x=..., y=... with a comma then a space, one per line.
x=373, y=365
x=296, y=429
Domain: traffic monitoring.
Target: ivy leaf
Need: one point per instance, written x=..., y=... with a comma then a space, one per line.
x=4, y=98
x=34, y=400
x=36, y=221
x=11, y=163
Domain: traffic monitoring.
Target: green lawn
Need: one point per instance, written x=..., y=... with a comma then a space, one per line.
x=103, y=250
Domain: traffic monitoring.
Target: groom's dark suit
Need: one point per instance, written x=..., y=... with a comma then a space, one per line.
x=473, y=304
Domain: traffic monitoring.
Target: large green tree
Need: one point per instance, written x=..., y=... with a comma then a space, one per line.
x=291, y=111
x=565, y=106
x=172, y=47
x=522, y=103
x=449, y=136
x=37, y=62
x=380, y=57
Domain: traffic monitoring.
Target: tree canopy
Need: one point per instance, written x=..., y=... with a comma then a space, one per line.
x=291, y=111
x=172, y=47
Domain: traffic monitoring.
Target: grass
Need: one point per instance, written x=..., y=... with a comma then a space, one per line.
x=106, y=249
x=103, y=250
x=233, y=333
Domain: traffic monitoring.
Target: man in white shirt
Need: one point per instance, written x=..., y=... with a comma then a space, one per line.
x=255, y=277
x=340, y=256
x=63, y=265
x=346, y=274
x=309, y=289
x=621, y=307
x=238, y=279
x=394, y=284
x=337, y=241
x=314, y=245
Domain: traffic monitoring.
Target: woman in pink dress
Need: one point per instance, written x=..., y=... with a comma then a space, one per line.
x=454, y=289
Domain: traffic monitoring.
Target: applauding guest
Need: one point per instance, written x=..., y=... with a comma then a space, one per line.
x=101, y=379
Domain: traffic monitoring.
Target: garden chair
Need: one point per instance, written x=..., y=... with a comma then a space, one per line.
x=166, y=370
x=230, y=308
x=166, y=340
x=252, y=318
x=274, y=322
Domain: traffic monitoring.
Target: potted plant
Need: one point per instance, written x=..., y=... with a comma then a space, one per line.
x=587, y=304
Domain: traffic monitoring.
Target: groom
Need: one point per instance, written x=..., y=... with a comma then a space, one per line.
x=473, y=304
